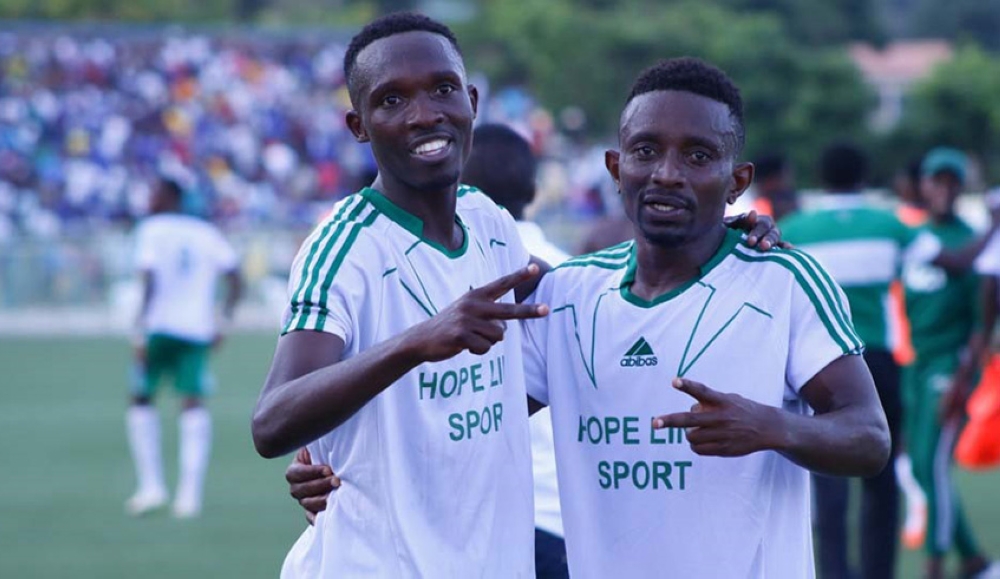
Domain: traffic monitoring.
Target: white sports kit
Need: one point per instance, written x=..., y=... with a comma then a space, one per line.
x=436, y=470
x=637, y=500
x=185, y=255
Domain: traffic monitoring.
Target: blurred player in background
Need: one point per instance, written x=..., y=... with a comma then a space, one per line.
x=503, y=166
x=773, y=190
x=912, y=212
x=943, y=315
x=180, y=258
x=862, y=247
x=865, y=248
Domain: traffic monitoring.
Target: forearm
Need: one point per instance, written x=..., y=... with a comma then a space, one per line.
x=960, y=260
x=847, y=442
x=297, y=411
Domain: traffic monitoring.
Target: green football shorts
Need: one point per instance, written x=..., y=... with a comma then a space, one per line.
x=184, y=360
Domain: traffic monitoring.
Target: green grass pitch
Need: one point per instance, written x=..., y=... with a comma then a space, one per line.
x=66, y=472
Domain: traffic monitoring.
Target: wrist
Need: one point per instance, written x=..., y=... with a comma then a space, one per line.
x=779, y=436
x=409, y=348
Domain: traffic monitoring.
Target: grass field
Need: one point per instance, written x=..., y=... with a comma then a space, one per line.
x=66, y=473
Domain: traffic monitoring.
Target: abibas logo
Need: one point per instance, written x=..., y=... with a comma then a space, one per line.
x=640, y=354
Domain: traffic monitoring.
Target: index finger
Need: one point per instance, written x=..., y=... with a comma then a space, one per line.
x=697, y=390
x=500, y=286
x=682, y=420
x=504, y=311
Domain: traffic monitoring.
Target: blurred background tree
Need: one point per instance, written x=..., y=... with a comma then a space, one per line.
x=958, y=105
x=587, y=54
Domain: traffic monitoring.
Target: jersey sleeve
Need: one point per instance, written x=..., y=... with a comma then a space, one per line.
x=988, y=262
x=330, y=280
x=534, y=345
x=820, y=324
x=226, y=258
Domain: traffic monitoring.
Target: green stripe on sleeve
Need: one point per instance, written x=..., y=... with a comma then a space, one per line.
x=320, y=240
x=337, y=262
x=831, y=325
x=304, y=300
x=837, y=295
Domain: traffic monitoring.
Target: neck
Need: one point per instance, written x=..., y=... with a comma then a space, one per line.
x=660, y=269
x=435, y=208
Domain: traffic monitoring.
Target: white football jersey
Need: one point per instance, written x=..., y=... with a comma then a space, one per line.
x=548, y=514
x=185, y=256
x=637, y=501
x=436, y=469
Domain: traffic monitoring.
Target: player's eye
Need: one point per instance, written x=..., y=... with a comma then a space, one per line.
x=446, y=89
x=391, y=100
x=700, y=156
x=643, y=151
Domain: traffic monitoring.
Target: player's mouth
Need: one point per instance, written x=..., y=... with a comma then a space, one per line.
x=666, y=207
x=432, y=149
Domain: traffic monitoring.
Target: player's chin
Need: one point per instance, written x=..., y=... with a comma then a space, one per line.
x=666, y=237
x=441, y=178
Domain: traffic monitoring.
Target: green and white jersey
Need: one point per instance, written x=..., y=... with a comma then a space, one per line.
x=863, y=248
x=185, y=257
x=436, y=468
x=942, y=307
x=637, y=501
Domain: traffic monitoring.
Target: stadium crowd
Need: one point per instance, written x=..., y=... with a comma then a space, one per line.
x=253, y=126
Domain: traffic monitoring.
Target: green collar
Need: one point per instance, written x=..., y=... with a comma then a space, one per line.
x=730, y=241
x=414, y=224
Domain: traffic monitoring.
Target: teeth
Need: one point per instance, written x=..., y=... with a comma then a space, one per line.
x=662, y=207
x=431, y=147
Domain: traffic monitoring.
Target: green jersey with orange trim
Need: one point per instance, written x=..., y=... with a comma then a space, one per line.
x=437, y=467
x=638, y=501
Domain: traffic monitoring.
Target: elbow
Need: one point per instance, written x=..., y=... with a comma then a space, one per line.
x=266, y=439
x=877, y=447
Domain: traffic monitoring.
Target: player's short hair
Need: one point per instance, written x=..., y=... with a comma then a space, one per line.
x=695, y=76
x=769, y=165
x=843, y=167
x=502, y=166
x=390, y=25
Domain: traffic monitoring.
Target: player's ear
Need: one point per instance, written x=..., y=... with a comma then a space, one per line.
x=356, y=126
x=611, y=158
x=742, y=177
x=474, y=98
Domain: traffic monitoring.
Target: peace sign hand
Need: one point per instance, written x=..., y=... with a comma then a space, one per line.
x=476, y=321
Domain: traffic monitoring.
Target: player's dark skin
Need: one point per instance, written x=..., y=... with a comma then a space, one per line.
x=411, y=91
x=676, y=171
